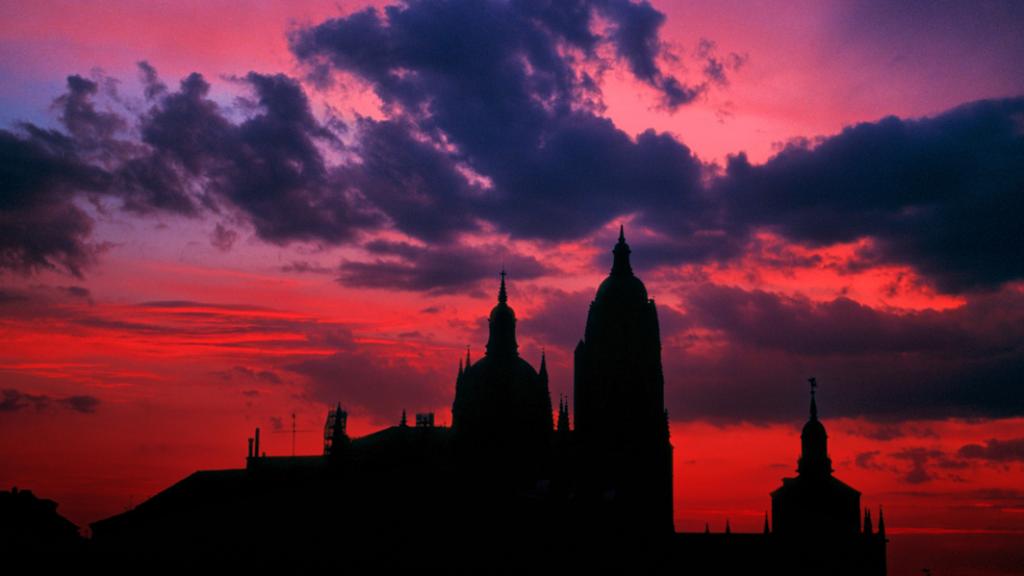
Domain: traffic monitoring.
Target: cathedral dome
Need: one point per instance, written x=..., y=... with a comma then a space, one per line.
x=502, y=411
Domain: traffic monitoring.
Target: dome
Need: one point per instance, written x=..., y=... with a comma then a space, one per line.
x=621, y=289
x=813, y=429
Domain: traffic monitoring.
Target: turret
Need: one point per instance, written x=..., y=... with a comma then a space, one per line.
x=563, y=415
x=814, y=460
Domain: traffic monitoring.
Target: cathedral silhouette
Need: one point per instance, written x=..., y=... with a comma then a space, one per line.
x=507, y=489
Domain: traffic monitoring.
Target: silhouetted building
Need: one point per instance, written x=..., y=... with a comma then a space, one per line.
x=501, y=417
x=503, y=490
x=815, y=528
x=815, y=503
x=32, y=533
x=621, y=424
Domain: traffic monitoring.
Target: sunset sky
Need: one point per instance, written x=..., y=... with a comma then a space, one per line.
x=214, y=216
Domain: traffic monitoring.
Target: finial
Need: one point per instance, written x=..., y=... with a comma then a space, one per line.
x=814, y=404
x=502, y=294
x=620, y=263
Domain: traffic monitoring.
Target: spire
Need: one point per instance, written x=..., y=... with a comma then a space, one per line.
x=563, y=414
x=502, y=340
x=403, y=422
x=620, y=262
x=467, y=357
x=767, y=529
x=728, y=529
x=459, y=377
x=543, y=365
x=867, y=521
x=881, y=523
x=502, y=294
x=814, y=405
x=814, y=460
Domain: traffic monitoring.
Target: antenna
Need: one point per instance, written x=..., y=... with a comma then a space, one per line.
x=294, y=431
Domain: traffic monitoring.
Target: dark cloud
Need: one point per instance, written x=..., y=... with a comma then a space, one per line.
x=81, y=403
x=493, y=120
x=924, y=462
x=492, y=116
x=439, y=269
x=886, y=431
x=488, y=119
x=1011, y=450
x=941, y=194
x=223, y=238
x=306, y=267
x=269, y=166
x=76, y=291
x=800, y=326
x=868, y=460
x=747, y=354
x=183, y=155
x=15, y=400
x=248, y=373
x=40, y=226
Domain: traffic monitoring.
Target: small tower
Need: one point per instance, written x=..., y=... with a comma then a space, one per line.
x=335, y=435
x=815, y=504
x=563, y=416
x=814, y=460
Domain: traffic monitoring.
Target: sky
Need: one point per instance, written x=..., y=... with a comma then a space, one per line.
x=216, y=216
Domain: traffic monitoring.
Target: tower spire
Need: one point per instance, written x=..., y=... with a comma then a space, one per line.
x=814, y=404
x=502, y=325
x=814, y=458
x=620, y=263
